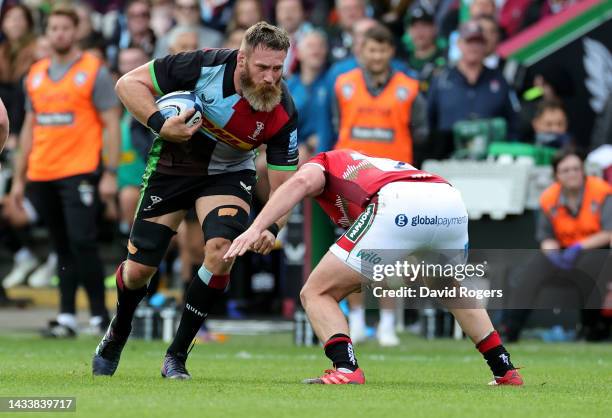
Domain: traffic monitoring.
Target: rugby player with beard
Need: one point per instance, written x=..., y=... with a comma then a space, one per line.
x=210, y=165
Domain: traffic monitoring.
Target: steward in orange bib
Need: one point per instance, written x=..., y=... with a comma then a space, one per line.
x=575, y=217
x=70, y=100
x=378, y=111
x=576, y=209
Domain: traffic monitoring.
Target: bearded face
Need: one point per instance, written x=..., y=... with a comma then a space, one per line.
x=262, y=96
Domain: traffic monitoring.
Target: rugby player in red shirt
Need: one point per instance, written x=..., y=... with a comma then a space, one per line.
x=369, y=195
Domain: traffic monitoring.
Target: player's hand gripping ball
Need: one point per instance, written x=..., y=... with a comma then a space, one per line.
x=183, y=111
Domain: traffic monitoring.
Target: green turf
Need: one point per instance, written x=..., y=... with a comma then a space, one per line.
x=260, y=376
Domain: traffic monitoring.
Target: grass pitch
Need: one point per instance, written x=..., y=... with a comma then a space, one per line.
x=260, y=377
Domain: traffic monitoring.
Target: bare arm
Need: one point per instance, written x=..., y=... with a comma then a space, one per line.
x=308, y=181
x=108, y=182
x=266, y=241
x=112, y=141
x=136, y=91
x=276, y=179
x=4, y=125
x=598, y=240
x=21, y=160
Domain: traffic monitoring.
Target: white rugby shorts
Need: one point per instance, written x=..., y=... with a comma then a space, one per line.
x=409, y=218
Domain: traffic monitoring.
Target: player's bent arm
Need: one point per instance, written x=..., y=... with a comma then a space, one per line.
x=276, y=178
x=136, y=91
x=4, y=125
x=308, y=181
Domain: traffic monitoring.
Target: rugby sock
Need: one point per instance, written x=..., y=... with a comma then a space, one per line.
x=203, y=290
x=127, y=301
x=495, y=354
x=339, y=349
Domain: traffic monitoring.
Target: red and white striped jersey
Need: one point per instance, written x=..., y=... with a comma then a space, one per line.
x=352, y=179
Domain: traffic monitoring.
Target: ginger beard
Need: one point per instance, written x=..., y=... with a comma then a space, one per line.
x=262, y=97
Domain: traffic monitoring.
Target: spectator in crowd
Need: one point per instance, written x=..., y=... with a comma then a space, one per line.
x=135, y=30
x=391, y=13
x=468, y=91
x=327, y=135
x=217, y=14
x=16, y=55
x=550, y=83
x=183, y=39
x=380, y=112
x=162, y=17
x=341, y=35
x=290, y=16
x=89, y=39
x=492, y=35
x=17, y=52
x=425, y=52
x=245, y=14
x=550, y=125
x=187, y=16
x=476, y=8
x=308, y=89
x=575, y=216
x=234, y=39
x=61, y=143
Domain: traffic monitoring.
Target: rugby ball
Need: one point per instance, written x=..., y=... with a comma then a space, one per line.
x=175, y=103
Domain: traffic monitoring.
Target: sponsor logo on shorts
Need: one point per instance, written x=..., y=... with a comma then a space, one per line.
x=369, y=257
x=401, y=220
x=245, y=187
x=154, y=201
x=361, y=224
x=438, y=220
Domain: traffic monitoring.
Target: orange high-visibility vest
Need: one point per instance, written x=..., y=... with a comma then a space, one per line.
x=67, y=129
x=568, y=229
x=377, y=126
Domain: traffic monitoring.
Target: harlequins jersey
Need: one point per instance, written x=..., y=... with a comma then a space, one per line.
x=231, y=128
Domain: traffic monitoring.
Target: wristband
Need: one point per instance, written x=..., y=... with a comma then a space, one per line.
x=156, y=121
x=273, y=229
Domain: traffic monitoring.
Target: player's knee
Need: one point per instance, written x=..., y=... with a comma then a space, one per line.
x=136, y=275
x=306, y=295
x=148, y=243
x=227, y=222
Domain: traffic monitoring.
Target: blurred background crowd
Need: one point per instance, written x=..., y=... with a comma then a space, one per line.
x=493, y=79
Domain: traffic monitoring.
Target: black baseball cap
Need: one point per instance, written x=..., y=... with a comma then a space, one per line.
x=418, y=13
